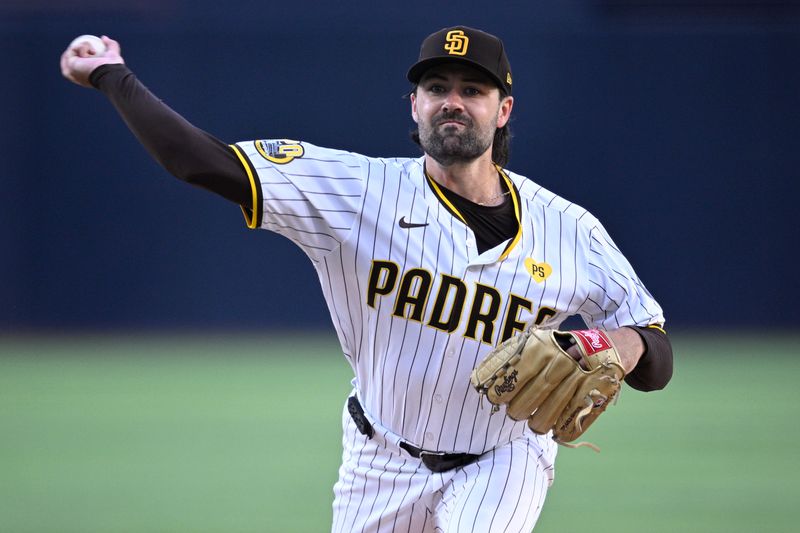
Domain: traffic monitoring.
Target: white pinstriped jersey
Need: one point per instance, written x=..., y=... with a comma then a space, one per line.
x=414, y=304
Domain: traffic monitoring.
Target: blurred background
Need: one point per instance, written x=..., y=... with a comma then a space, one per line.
x=141, y=323
x=676, y=123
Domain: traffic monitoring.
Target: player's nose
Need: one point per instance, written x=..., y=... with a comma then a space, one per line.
x=453, y=102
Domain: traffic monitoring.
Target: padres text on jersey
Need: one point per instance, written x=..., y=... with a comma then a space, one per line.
x=414, y=304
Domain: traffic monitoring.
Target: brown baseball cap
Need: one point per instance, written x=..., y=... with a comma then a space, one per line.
x=461, y=43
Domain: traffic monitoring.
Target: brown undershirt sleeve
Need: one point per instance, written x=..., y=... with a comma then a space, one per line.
x=185, y=151
x=655, y=367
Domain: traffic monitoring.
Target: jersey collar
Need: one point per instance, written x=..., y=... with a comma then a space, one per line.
x=437, y=190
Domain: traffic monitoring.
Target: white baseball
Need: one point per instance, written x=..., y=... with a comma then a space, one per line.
x=94, y=42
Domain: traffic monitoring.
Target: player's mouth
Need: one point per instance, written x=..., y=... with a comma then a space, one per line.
x=452, y=121
x=452, y=127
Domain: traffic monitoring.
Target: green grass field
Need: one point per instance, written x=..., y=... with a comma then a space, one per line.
x=182, y=434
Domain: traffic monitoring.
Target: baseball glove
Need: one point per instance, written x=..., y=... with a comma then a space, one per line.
x=536, y=379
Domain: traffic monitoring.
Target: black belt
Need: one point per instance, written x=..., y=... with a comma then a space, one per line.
x=435, y=461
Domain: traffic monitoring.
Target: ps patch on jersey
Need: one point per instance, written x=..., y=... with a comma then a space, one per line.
x=538, y=271
x=280, y=151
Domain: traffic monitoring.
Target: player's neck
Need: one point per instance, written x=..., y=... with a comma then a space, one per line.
x=476, y=180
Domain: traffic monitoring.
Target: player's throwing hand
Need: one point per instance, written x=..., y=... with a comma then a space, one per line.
x=78, y=61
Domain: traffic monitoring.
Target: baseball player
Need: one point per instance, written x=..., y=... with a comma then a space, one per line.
x=426, y=264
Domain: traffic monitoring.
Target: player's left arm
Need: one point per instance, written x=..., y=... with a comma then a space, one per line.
x=620, y=304
x=646, y=354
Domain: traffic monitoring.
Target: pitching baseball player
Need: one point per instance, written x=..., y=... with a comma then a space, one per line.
x=426, y=264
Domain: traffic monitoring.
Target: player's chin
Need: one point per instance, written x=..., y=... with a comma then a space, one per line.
x=454, y=144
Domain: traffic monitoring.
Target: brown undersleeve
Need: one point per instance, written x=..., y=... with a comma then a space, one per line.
x=655, y=367
x=185, y=151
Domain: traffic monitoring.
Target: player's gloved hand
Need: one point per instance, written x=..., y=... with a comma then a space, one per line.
x=78, y=62
x=536, y=379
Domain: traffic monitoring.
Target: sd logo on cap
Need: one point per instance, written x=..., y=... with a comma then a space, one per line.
x=461, y=43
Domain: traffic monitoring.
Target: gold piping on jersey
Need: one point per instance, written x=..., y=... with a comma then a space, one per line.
x=253, y=218
x=517, y=213
x=658, y=327
x=455, y=212
x=443, y=199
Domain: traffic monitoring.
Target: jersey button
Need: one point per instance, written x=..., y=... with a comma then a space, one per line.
x=438, y=398
x=429, y=436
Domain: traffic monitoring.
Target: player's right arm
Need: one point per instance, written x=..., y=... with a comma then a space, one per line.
x=184, y=150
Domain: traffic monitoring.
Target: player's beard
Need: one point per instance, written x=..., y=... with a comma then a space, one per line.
x=449, y=145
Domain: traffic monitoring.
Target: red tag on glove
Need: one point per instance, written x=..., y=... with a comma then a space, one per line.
x=593, y=340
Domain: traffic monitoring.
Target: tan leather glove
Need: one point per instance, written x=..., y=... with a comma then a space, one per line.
x=536, y=379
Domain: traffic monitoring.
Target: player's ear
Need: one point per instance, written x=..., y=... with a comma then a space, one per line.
x=413, y=98
x=504, y=113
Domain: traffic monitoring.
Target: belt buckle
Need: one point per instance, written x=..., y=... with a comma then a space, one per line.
x=424, y=453
x=439, y=461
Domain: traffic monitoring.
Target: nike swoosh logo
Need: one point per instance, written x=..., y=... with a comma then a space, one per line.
x=403, y=224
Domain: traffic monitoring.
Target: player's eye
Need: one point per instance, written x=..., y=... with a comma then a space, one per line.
x=436, y=89
x=472, y=91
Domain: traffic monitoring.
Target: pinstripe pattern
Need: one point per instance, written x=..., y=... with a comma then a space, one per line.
x=410, y=370
x=382, y=489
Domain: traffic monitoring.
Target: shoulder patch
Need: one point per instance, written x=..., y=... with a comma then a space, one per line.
x=280, y=151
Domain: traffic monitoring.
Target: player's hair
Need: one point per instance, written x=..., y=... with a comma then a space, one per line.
x=501, y=146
